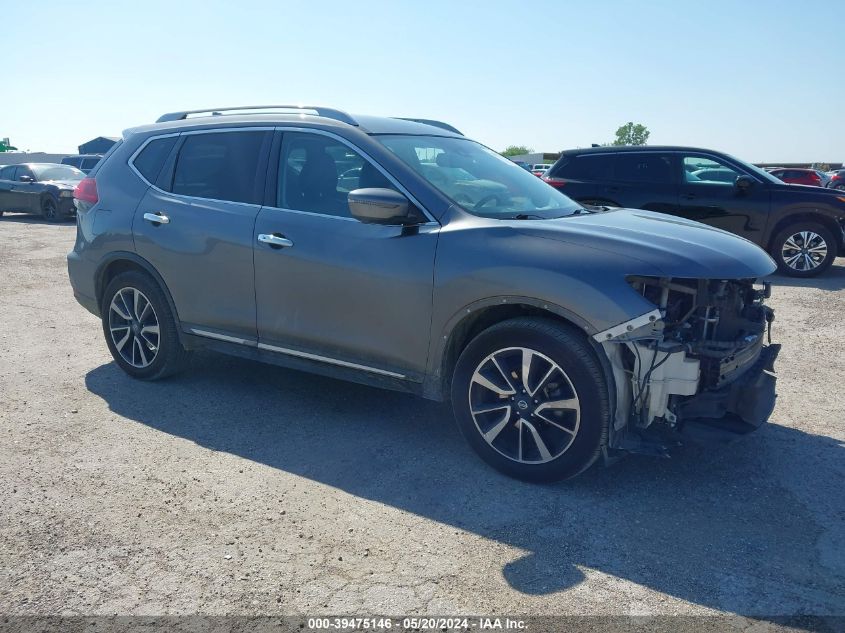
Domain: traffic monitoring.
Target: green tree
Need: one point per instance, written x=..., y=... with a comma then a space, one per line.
x=632, y=134
x=517, y=150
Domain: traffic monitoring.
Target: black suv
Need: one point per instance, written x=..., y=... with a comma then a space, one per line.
x=802, y=227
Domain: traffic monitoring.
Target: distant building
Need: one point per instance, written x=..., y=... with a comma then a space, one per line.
x=537, y=158
x=99, y=145
x=13, y=158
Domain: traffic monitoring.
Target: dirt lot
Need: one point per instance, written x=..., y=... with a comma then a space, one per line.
x=243, y=488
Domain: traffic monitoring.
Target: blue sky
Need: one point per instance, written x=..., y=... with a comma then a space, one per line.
x=760, y=79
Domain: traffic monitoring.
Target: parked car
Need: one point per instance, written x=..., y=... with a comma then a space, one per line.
x=522, y=164
x=837, y=180
x=83, y=162
x=801, y=227
x=539, y=169
x=798, y=176
x=43, y=188
x=559, y=333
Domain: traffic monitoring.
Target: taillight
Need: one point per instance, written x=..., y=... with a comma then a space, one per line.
x=86, y=191
x=557, y=183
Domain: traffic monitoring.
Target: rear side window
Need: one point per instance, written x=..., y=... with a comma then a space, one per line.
x=646, y=167
x=151, y=159
x=587, y=167
x=220, y=166
x=88, y=163
x=7, y=173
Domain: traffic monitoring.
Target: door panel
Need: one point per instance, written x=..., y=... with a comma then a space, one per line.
x=204, y=250
x=7, y=195
x=346, y=290
x=204, y=255
x=707, y=195
x=26, y=195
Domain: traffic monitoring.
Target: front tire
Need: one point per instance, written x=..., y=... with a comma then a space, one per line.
x=531, y=399
x=140, y=329
x=50, y=209
x=804, y=249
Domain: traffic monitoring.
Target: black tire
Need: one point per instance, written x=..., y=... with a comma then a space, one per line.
x=50, y=209
x=557, y=344
x=169, y=356
x=783, y=257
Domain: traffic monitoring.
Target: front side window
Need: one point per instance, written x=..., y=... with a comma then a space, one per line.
x=7, y=173
x=646, y=167
x=220, y=166
x=590, y=167
x=478, y=179
x=708, y=170
x=316, y=174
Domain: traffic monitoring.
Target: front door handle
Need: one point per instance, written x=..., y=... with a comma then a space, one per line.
x=157, y=218
x=276, y=240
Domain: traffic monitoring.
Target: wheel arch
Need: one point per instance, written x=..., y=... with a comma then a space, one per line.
x=124, y=261
x=808, y=215
x=474, y=318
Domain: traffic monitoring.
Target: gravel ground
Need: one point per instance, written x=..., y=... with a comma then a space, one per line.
x=243, y=488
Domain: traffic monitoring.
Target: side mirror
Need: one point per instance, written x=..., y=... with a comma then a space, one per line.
x=380, y=206
x=28, y=179
x=744, y=183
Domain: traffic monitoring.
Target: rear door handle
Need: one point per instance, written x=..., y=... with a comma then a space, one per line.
x=276, y=240
x=157, y=218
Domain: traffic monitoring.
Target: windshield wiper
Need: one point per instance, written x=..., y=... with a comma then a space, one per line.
x=528, y=216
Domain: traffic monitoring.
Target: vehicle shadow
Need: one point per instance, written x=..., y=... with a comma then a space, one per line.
x=752, y=528
x=832, y=280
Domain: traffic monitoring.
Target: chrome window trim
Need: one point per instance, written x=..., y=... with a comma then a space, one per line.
x=131, y=161
x=287, y=128
x=365, y=156
x=221, y=337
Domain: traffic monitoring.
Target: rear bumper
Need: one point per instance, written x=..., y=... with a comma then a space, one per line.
x=735, y=410
x=81, y=275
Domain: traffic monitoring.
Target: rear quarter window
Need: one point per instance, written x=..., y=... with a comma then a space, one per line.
x=151, y=159
x=585, y=167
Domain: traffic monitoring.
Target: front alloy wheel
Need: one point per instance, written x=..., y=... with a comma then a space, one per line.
x=524, y=405
x=531, y=398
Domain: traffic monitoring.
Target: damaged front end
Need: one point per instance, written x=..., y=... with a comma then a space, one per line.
x=699, y=366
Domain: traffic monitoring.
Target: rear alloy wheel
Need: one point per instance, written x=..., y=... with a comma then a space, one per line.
x=804, y=249
x=49, y=209
x=140, y=329
x=530, y=398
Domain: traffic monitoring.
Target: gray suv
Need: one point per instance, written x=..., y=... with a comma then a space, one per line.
x=398, y=253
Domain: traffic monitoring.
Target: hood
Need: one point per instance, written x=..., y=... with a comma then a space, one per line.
x=808, y=190
x=675, y=246
x=62, y=184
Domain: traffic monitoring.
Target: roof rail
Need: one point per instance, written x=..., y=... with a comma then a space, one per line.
x=440, y=124
x=329, y=113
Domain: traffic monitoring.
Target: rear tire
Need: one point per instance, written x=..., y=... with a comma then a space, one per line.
x=804, y=249
x=140, y=329
x=546, y=427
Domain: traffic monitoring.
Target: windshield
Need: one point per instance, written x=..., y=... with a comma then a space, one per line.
x=758, y=172
x=57, y=172
x=478, y=179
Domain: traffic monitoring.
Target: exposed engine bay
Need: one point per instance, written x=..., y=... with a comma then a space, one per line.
x=700, y=364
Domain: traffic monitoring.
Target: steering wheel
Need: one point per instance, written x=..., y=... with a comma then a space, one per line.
x=486, y=199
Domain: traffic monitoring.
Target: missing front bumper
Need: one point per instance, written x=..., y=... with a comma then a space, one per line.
x=726, y=414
